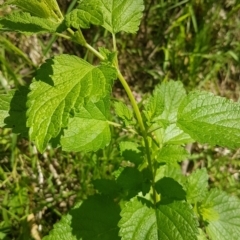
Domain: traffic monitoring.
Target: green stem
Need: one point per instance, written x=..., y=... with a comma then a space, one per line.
x=136, y=110
x=94, y=51
x=142, y=128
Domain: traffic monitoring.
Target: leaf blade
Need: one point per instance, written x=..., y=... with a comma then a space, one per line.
x=118, y=15
x=25, y=23
x=210, y=119
x=222, y=214
x=60, y=87
x=89, y=129
x=170, y=221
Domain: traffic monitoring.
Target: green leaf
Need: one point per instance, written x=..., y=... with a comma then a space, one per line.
x=94, y=219
x=210, y=119
x=119, y=15
x=130, y=180
x=86, y=15
x=170, y=189
x=131, y=152
x=109, y=56
x=41, y=8
x=202, y=235
x=107, y=187
x=88, y=130
x=124, y=112
x=170, y=221
x=172, y=154
x=170, y=135
x=25, y=23
x=5, y=100
x=197, y=186
x=154, y=105
x=59, y=89
x=13, y=110
x=173, y=93
x=174, y=135
x=222, y=213
x=171, y=171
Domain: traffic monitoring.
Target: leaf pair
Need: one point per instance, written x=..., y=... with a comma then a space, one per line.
x=40, y=16
x=203, y=116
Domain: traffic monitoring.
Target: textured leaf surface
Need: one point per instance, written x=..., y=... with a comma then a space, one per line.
x=89, y=129
x=59, y=88
x=173, y=93
x=86, y=15
x=154, y=105
x=13, y=110
x=25, y=23
x=170, y=135
x=222, y=213
x=197, y=186
x=172, y=154
x=123, y=111
x=170, y=221
x=119, y=15
x=95, y=219
x=210, y=119
x=41, y=8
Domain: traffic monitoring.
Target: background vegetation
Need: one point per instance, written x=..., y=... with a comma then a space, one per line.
x=195, y=41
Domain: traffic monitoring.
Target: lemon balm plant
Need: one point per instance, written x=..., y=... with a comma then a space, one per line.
x=69, y=105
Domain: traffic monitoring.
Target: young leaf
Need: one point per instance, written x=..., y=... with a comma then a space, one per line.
x=174, y=135
x=173, y=93
x=13, y=110
x=83, y=17
x=25, y=23
x=222, y=213
x=118, y=15
x=210, y=119
x=41, y=8
x=61, y=85
x=108, y=55
x=197, y=186
x=172, y=154
x=94, y=219
x=154, y=105
x=88, y=130
x=123, y=112
x=170, y=221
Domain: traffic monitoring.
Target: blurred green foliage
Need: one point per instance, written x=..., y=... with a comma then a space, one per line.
x=195, y=41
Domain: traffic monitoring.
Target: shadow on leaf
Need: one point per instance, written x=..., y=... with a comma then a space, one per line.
x=17, y=112
x=96, y=219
